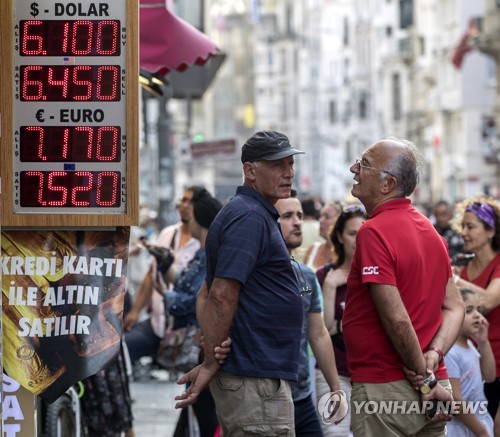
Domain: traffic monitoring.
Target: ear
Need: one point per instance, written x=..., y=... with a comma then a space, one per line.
x=389, y=184
x=249, y=171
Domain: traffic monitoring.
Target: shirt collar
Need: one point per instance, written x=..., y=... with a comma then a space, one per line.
x=248, y=191
x=392, y=204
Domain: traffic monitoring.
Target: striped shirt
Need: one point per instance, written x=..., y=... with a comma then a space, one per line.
x=245, y=244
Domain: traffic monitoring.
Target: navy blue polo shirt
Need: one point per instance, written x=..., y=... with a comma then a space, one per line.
x=244, y=243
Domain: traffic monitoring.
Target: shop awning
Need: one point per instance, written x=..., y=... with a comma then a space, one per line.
x=167, y=42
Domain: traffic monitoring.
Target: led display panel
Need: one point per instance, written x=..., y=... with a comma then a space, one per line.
x=70, y=94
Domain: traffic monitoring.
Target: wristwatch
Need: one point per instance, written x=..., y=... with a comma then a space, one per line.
x=429, y=383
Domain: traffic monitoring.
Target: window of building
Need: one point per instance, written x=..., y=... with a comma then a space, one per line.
x=405, y=13
x=363, y=105
x=332, y=112
x=346, y=32
x=396, y=96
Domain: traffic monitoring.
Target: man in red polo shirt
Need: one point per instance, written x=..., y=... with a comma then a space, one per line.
x=402, y=308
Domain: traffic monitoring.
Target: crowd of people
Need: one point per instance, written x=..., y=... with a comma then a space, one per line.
x=375, y=299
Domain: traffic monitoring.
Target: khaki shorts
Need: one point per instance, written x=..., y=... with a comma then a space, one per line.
x=370, y=419
x=253, y=406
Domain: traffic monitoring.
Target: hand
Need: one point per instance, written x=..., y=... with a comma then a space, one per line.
x=135, y=250
x=221, y=352
x=415, y=379
x=444, y=401
x=457, y=270
x=130, y=320
x=199, y=377
x=482, y=335
x=336, y=277
x=432, y=360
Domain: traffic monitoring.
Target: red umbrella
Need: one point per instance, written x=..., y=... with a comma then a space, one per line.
x=169, y=43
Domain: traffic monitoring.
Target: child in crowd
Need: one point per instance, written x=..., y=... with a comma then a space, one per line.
x=469, y=362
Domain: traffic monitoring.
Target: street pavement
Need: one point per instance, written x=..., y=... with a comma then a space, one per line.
x=153, y=405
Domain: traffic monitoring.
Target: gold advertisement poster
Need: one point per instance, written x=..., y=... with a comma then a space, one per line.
x=62, y=301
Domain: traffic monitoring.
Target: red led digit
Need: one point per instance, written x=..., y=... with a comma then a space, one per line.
x=65, y=38
x=63, y=82
x=107, y=143
x=34, y=141
x=34, y=183
x=70, y=38
x=65, y=147
x=32, y=89
x=107, y=188
x=107, y=40
x=80, y=194
x=83, y=142
x=53, y=187
x=32, y=42
x=81, y=44
x=107, y=79
x=82, y=88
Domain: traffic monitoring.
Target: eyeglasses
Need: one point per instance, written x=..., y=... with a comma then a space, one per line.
x=185, y=200
x=358, y=163
x=305, y=289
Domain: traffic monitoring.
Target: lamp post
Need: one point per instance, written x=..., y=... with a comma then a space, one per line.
x=166, y=167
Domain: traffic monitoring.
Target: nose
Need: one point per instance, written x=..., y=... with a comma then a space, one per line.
x=290, y=172
x=297, y=221
x=354, y=168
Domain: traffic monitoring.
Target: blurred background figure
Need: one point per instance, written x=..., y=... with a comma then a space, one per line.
x=138, y=256
x=481, y=235
x=143, y=336
x=443, y=213
x=180, y=300
x=310, y=227
x=318, y=254
x=333, y=279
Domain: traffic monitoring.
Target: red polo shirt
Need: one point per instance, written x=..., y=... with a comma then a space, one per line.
x=396, y=246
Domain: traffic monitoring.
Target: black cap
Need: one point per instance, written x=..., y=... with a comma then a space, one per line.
x=268, y=146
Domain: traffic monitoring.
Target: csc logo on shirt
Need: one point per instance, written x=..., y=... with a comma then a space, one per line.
x=370, y=270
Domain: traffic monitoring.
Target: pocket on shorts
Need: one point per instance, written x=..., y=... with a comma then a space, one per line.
x=277, y=402
x=229, y=382
x=278, y=429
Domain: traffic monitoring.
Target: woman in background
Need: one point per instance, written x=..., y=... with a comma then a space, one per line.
x=333, y=279
x=318, y=254
x=481, y=235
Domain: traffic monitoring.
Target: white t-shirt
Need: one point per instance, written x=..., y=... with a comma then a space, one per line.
x=463, y=363
x=182, y=255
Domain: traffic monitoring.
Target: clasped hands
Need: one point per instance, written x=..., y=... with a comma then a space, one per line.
x=438, y=396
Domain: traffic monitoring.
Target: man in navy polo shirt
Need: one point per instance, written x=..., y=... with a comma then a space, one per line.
x=251, y=294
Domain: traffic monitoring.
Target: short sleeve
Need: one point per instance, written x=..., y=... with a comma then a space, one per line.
x=317, y=297
x=452, y=362
x=375, y=257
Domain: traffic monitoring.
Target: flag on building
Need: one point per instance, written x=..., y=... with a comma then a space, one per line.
x=464, y=46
